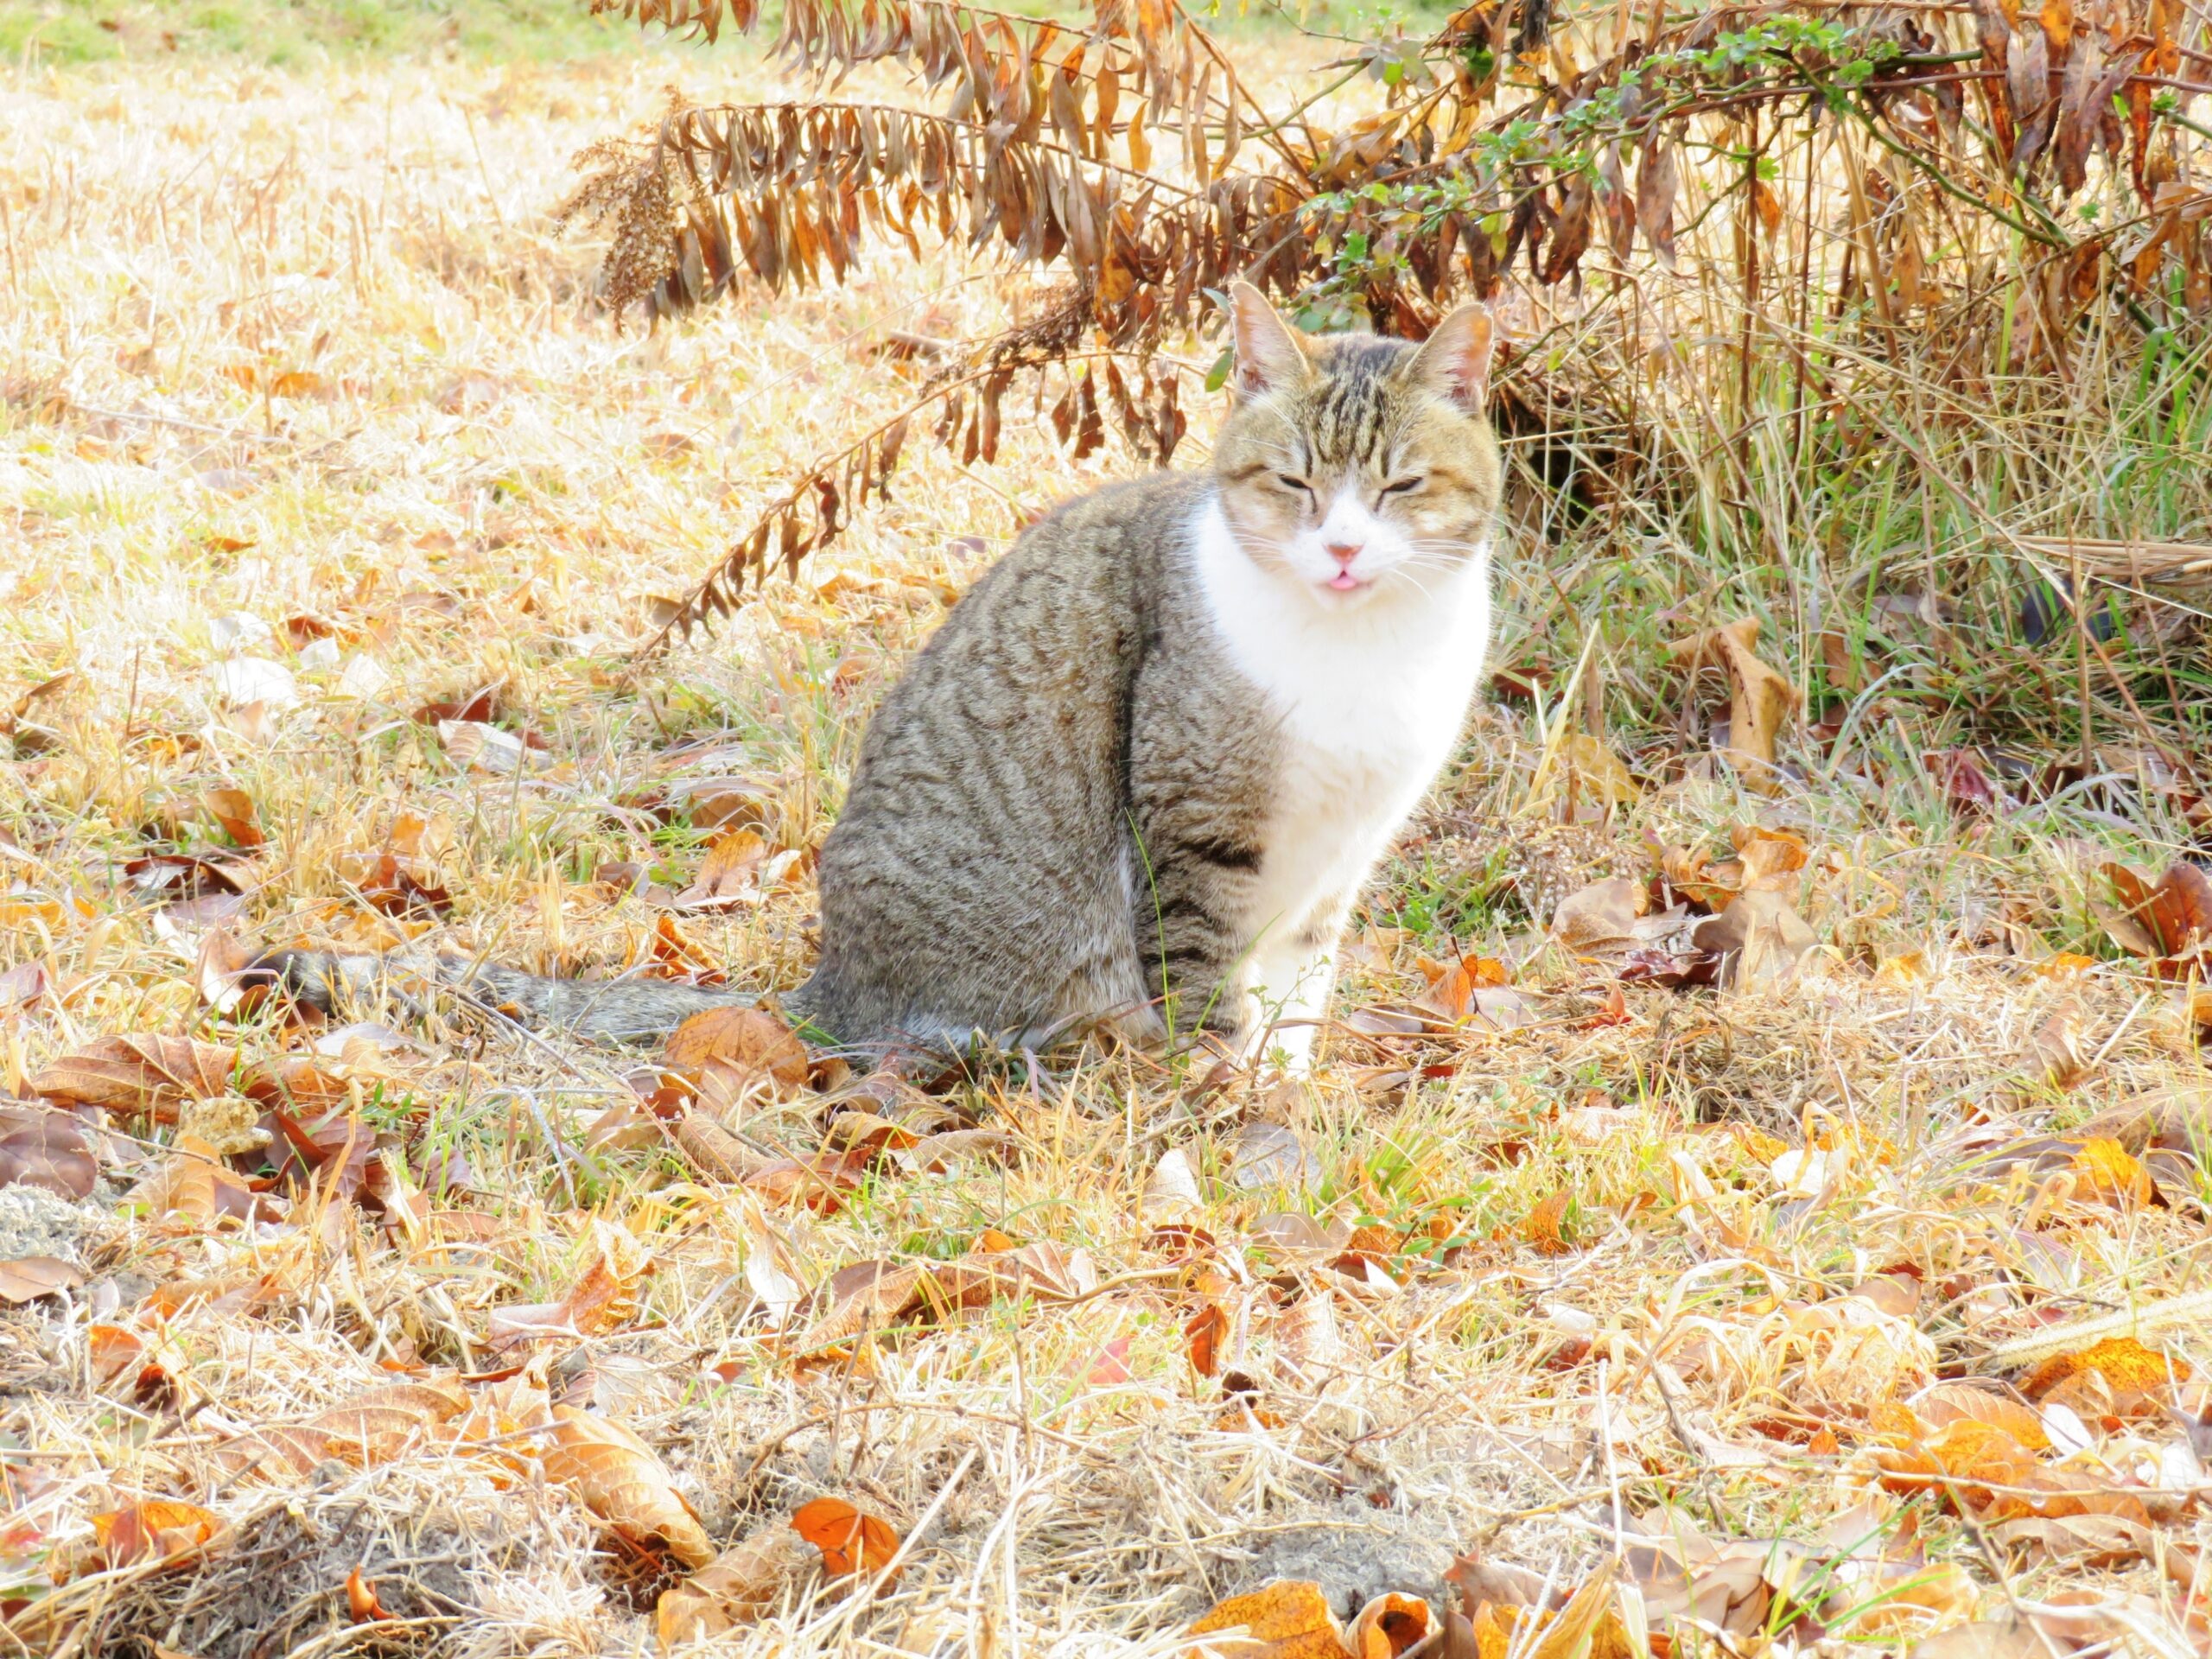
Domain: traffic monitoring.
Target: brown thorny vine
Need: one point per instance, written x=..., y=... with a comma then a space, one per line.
x=1126, y=153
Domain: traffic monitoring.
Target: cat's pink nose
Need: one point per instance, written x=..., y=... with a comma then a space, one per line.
x=1344, y=552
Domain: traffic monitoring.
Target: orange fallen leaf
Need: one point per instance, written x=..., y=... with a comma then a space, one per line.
x=2106, y=1171
x=162, y=1529
x=730, y=876
x=1202, y=1335
x=2125, y=1363
x=1287, y=1619
x=851, y=1541
x=361, y=1599
x=1542, y=1225
x=1387, y=1626
x=233, y=810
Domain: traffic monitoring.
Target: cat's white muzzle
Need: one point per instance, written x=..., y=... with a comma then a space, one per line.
x=1346, y=556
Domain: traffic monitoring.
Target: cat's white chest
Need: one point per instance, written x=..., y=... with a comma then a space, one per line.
x=1371, y=702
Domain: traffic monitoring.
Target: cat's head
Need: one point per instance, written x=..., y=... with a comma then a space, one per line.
x=1358, y=467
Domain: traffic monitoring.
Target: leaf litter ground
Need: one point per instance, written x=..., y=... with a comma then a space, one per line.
x=1752, y=1212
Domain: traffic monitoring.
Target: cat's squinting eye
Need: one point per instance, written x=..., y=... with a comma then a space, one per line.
x=1403, y=485
x=1299, y=484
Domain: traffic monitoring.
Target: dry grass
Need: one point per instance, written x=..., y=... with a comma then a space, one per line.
x=479, y=483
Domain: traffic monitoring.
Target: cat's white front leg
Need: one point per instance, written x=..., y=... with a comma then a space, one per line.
x=1291, y=990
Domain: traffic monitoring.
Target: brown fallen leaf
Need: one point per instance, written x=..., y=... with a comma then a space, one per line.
x=1759, y=939
x=113, y=1349
x=148, y=1074
x=735, y=1588
x=23, y=987
x=730, y=876
x=195, y=1186
x=30, y=1277
x=851, y=1541
x=233, y=810
x=1600, y=915
x=1595, y=773
x=395, y=884
x=713, y=1151
x=1500, y=1583
x=2094, y=1540
x=2178, y=1118
x=2168, y=921
x=46, y=1148
x=620, y=1480
x=593, y=1303
x=1759, y=699
x=2057, y=1052
x=373, y=1427
x=749, y=1042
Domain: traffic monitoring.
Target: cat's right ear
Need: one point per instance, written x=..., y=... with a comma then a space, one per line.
x=1268, y=354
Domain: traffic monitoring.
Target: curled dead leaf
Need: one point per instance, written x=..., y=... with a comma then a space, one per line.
x=852, y=1542
x=735, y=1588
x=621, y=1481
x=1759, y=699
x=1760, y=939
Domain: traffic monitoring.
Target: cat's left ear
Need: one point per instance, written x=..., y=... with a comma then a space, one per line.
x=1454, y=362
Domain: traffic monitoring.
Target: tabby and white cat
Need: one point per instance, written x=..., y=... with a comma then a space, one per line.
x=1140, y=775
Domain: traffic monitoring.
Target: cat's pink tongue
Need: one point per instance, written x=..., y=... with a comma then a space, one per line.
x=1344, y=581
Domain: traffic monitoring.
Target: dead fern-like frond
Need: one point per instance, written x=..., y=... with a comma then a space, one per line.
x=968, y=397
